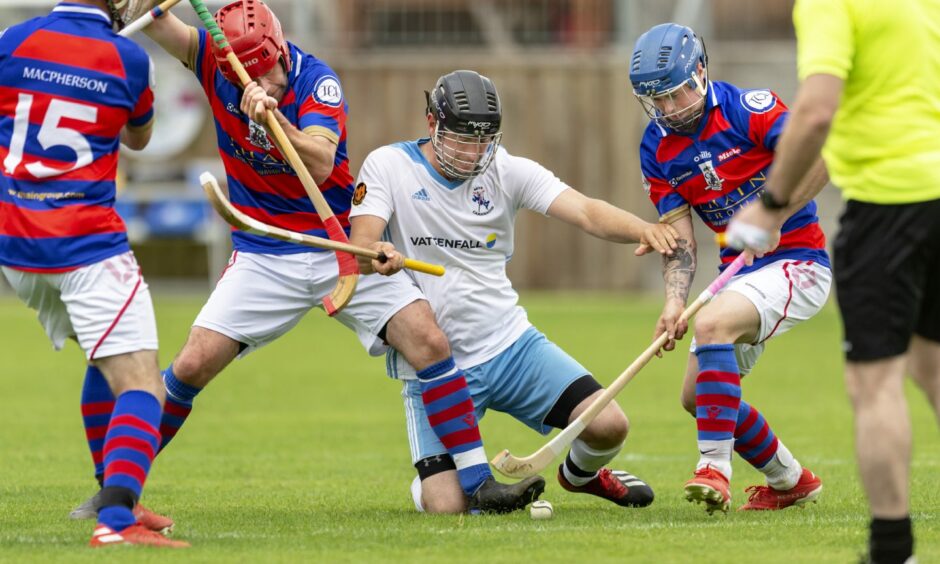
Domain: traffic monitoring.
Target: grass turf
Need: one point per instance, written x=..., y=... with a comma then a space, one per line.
x=298, y=453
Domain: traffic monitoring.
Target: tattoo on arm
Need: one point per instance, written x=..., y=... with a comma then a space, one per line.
x=679, y=270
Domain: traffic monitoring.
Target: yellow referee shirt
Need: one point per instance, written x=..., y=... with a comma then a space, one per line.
x=884, y=146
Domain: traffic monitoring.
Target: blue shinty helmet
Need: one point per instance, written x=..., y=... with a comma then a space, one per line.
x=664, y=58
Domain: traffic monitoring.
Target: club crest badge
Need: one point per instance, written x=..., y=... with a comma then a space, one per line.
x=359, y=194
x=257, y=136
x=712, y=180
x=481, y=203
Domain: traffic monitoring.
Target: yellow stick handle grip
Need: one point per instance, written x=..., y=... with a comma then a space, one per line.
x=425, y=267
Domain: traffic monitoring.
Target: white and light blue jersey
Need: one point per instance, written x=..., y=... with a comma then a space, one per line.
x=466, y=226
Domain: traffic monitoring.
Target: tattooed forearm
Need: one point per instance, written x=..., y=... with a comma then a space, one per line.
x=679, y=270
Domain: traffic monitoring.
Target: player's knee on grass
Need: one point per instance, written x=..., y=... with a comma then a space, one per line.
x=439, y=493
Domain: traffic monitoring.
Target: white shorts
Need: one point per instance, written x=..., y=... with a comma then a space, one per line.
x=260, y=297
x=105, y=306
x=785, y=293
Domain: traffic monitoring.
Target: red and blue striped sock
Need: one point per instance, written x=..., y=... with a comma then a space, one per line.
x=717, y=399
x=753, y=438
x=97, y=404
x=129, y=448
x=450, y=412
x=179, y=403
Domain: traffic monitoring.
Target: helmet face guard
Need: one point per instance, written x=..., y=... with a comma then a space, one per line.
x=679, y=108
x=467, y=115
x=664, y=72
x=463, y=156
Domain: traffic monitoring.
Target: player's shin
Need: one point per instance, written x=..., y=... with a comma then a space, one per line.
x=756, y=442
x=583, y=462
x=129, y=448
x=450, y=412
x=97, y=405
x=179, y=403
x=717, y=399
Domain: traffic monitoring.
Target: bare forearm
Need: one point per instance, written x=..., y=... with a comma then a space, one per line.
x=611, y=223
x=316, y=155
x=811, y=185
x=679, y=271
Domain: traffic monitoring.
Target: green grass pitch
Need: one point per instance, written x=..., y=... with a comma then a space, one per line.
x=298, y=453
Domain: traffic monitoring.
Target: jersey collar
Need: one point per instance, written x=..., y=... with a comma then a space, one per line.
x=65, y=9
x=414, y=151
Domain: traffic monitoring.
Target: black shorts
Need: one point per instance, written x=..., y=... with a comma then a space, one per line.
x=887, y=272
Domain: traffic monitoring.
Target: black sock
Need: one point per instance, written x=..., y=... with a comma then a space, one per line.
x=892, y=541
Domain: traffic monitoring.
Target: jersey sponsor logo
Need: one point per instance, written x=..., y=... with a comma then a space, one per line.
x=359, y=194
x=758, y=101
x=66, y=79
x=327, y=91
x=712, y=179
x=718, y=212
x=674, y=181
x=232, y=109
x=264, y=164
x=257, y=136
x=491, y=240
x=729, y=153
x=445, y=243
x=480, y=201
x=421, y=195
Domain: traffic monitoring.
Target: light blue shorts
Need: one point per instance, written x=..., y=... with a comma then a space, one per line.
x=524, y=381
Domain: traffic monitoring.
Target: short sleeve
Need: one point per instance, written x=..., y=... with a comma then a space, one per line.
x=323, y=107
x=142, y=113
x=372, y=195
x=825, y=38
x=670, y=205
x=530, y=185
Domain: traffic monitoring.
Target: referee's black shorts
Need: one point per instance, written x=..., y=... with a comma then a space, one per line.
x=887, y=273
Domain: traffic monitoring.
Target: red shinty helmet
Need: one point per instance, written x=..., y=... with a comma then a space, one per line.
x=255, y=35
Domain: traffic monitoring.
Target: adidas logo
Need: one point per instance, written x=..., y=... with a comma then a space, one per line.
x=422, y=195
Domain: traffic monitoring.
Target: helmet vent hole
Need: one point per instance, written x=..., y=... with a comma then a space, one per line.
x=463, y=102
x=492, y=103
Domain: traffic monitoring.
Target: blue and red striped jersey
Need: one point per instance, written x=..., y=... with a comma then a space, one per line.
x=261, y=181
x=68, y=85
x=723, y=166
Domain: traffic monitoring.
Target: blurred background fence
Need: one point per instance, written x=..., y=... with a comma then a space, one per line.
x=559, y=65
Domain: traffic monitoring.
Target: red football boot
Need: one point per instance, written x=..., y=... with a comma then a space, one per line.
x=153, y=521
x=135, y=534
x=806, y=490
x=709, y=486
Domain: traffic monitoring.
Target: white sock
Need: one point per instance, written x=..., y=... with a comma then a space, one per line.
x=416, y=494
x=783, y=471
x=716, y=454
x=586, y=460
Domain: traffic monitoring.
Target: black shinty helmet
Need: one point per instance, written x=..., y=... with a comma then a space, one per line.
x=466, y=102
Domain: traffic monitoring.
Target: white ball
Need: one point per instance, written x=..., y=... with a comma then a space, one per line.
x=541, y=509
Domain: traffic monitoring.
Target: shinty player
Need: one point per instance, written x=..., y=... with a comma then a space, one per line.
x=270, y=285
x=708, y=147
x=452, y=198
x=71, y=91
